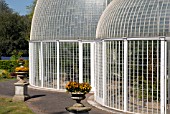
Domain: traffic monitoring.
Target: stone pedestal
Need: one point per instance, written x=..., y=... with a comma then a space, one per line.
x=78, y=110
x=21, y=91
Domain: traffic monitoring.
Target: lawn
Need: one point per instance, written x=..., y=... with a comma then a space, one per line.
x=3, y=80
x=9, y=107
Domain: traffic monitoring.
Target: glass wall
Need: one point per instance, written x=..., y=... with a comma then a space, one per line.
x=58, y=62
x=132, y=78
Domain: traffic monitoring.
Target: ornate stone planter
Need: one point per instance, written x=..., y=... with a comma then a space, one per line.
x=21, y=76
x=78, y=107
x=21, y=87
x=78, y=97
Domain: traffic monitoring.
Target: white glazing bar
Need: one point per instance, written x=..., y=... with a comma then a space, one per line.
x=162, y=77
x=113, y=70
x=125, y=75
x=62, y=62
x=104, y=70
x=122, y=74
x=47, y=65
x=50, y=77
x=153, y=38
x=70, y=41
x=152, y=75
x=70, y=56
x=165, y=101
x=74, y=63
x=30, y=62
x=38, y=64
x=130, y=39
x=46, y=58
x=142, y=75
x=97, y=70
x=80, y=62
x=42, y=65
x=61, y=57
x=116, y=72
x=147, y=73
x=55, y=65
x=130, y=67
x=45, y=80
x=133, y=75
x=119, y=76
x=77, y=57
x=53, y=61
x=157, y=75
x=138, y=77
x=92, y=53
x=58, y=65
x=110, y=73
x=37, y=61
x=34, y=64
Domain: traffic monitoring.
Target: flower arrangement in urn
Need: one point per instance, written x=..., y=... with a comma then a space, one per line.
x=75, y=87
x=78, y=91
x=21, y=68
x=21, y=71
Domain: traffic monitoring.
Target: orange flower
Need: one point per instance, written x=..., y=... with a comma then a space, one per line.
x=78, y=87
x=21, y=69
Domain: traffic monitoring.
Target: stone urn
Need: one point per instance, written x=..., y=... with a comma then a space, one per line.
x=78, y=107
x=78, y=97
x=21, y=87
x=21, y=76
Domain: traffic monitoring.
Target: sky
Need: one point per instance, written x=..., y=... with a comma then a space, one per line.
x=19, y=5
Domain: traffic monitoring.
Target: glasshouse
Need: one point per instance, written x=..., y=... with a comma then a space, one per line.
x=120, y=47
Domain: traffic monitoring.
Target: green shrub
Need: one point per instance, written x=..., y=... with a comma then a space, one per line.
x=5, y=74
x=10, y=65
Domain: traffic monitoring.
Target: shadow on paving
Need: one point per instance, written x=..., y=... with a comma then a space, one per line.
x=36, y=96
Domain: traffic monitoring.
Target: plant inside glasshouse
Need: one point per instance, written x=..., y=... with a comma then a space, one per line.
x=144, y=71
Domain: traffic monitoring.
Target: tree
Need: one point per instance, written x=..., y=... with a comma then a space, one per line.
x=14, y=30
x=31, y=9
x=4, y=7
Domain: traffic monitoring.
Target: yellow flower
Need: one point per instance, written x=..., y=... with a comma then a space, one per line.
x=78, y=87
x=21, y=69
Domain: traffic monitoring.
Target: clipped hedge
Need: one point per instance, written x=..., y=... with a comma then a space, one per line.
x=10, y=64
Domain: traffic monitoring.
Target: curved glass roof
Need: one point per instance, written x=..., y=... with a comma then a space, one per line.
x=66, y=19
x=135, y=18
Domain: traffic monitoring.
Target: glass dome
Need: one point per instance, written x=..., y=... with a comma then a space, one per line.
x=135, y=18
x=66, y=19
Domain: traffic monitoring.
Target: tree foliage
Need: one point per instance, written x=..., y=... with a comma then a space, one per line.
x=31, y=9
x=14, y=31
x=4, y=7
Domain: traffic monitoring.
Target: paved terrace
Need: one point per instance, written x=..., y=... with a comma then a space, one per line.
x=50, y=102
